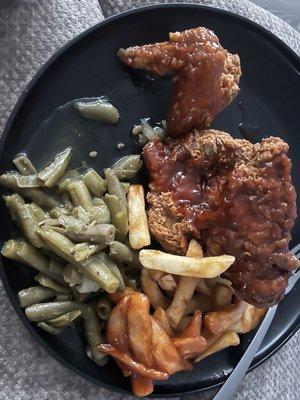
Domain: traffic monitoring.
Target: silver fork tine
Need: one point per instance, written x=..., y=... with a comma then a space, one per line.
x=295, y=249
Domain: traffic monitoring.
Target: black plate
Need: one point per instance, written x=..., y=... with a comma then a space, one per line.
x=88, y=66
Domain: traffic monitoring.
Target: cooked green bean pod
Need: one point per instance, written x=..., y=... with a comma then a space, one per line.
x=46, y=311
x=72, y=224
x=10, y=250
x=50, y=283
x=55, y=170
x=95, y=184
x=72, y=174
x=35, y=294
x=103, y=307
x=113, y=205
x=48, y=328
x=87, y=286
x=80, y=195
x=113, y=267
x=24, y=165
x=127, y=167
x=125, y=186
x=115, y=188
x=152, y=133
x=13, y=202
x=64, y=297
x=39, y=213
x=97, y=108
x=41, y=197
x=29, y=224
x=65, y=319
x=99, y=214
x=56, y=267
x=14, y=181
x=81, y=251
x=80, y=213
x=72, y=276
x=120, y=252
x=100, y=273
x=101, y=234
x=92, y=330
x=121, y=224
x=59, y=211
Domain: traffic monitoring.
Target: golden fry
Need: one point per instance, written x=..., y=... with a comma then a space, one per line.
x=207, y=267
x=162, y=318
x=139, y=328
x=194, y=249
x=227, y=339
x=222, y=296
x=250, y=319
x=219, y=321
x=139, y=235
x=132, y=365
x=155, y=275
x=167, y=282
x=166, y=356
x=152, y=290
x=202, y=287
x=199, y=302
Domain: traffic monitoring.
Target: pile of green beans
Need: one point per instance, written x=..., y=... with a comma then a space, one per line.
x=74, y=232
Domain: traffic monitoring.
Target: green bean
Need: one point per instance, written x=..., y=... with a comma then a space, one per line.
x=113, y=205
x=103, y=307
x=120, y=252
x=127, y=167
x=63, y=185
x=49, y=329
x=13, y=202
x=80, y=213
x=152, y=133
x=34, y=295
x=46, y=311
x=50, y=283
x=115, y=188
x=126, y=186
x=24, y=165
x=65, y=198
x=121, y=224
x=97, y=108
x=81, y=251
x=43, y=199
x=39, y=213
x=101, y=234
x=71, y=223
x=56, y=267
x=95, y=184
x=95, y=268
x=29, y=224
x=92, y=330
x=55, y=170
x=72, y=276
x=113, y=268
x=72, y=174
x=59, y=211
x=14, y=181
x=80, y=195
x=87, y=285
x=99, y=214
x=10, y=250
x=65, y=319
x=64, y=297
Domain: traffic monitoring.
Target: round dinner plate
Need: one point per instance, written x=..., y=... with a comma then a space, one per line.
x=268, y=104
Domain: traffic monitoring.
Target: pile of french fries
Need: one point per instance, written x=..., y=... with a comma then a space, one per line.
x=186, y=312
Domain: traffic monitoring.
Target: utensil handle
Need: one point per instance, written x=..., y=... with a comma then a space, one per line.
x=233, y=381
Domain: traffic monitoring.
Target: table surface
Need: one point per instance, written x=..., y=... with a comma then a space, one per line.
x=288, y=10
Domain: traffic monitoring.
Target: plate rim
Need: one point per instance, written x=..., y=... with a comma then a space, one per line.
x=293, y=59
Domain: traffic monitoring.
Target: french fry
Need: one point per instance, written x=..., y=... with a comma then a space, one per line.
x=139, y=235
x=141, y=386
x=139, y=328
x=194, y=249
x=166, y=356
x=130, y=364
x=227, y=339
x=167, y=282
x=152, y=290
x=184, y=293
x=202, y=287
x=162, y=318
x=207, y=267
x=189, y=347
x=155, y=275
x=219, y=321
x=200, y=302
x=222, y=296
x=193, y=327
x=118, y=296
x=249, y=320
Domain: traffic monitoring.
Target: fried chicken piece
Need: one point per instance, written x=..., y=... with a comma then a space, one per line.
x=205, y=75
x=234, y=196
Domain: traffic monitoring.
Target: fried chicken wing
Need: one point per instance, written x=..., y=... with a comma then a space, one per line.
x=234, y=196
x=205, y=75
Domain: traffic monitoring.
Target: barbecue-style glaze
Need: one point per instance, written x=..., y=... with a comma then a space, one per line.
x=236, y=197
x=205, y=75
